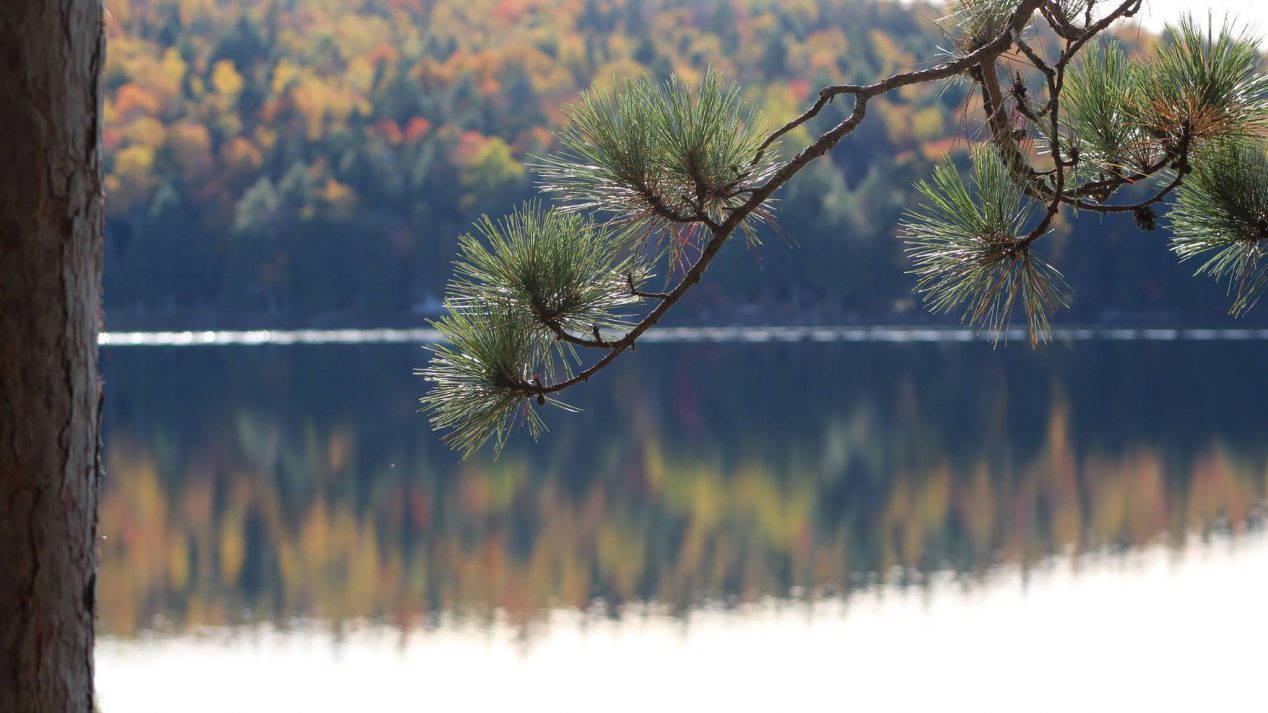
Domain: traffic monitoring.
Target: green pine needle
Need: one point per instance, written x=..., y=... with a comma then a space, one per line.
x=564, y=269
x=479, y=372
x=654, y=155
x=1223, y=206
x=1206, y=81
x=971, y=24
x=966, y=251
x=518, y=284
x=1100, y=101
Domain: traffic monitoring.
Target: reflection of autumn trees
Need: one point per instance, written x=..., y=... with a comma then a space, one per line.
x=247, y=496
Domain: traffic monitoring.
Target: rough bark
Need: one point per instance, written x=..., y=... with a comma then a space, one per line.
x=51, y=54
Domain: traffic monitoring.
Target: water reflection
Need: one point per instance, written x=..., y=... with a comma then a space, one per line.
x=252, y=484
x=1142, y=630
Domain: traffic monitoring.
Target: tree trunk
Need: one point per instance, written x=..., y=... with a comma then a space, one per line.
x=51, y=54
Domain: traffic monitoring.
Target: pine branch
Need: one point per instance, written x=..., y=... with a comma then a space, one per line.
x=481, y=374
x=1208, y=82
x=1224, y=208
x=968, y=251
x=567, y=271
x=1100, y=106
x=658, y=156
x=690, y=165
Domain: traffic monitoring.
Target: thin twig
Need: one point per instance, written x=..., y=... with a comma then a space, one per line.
x=629, y=280
x=617, y=346
x=865, y=91
x=982, y=60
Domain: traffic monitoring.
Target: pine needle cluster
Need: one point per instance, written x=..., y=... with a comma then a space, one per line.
x=1197, y=106
x=479, y=371
x=970, y=24
x=562, y=269
x=1223, y=207
x=1206, y=82
x=1202, y=99
x=1201, y=86
x=968, y=248
x=521, y=286
x=529, y=289
x=659, y=157
x=1101, y=103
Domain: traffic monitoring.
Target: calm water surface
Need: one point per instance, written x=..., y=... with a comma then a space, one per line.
x=727, y=525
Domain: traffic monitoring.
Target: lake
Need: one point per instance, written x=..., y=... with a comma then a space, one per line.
x=741, y=522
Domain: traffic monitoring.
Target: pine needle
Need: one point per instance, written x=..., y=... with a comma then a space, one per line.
x=966, y=250
x=1223, y=207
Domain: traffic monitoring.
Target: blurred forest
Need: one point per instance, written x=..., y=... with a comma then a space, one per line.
x=288, y=162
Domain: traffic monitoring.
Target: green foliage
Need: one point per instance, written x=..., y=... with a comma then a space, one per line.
x=650, y=157
x=970, y=24
x=1207, y=82
x=1201, y=87
x=561, y=268
x=489, y=353
x=1102, y=93
x=1223, y=207
x=611, y=156
x=655, y=156
x=1076, y=11
x=967, y=250
x=1212, y=85
x=520, y=285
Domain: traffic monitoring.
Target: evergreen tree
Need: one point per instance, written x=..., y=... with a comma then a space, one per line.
x=658, y=177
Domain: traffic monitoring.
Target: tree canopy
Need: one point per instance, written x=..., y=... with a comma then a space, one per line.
x=312, y=164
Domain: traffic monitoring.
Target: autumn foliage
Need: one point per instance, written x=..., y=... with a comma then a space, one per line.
x=283, y=163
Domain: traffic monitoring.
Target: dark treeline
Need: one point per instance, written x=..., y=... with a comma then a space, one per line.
x=294, y=163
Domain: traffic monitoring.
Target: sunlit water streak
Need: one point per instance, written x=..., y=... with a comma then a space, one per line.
x=878, y=334
x=1152, y=629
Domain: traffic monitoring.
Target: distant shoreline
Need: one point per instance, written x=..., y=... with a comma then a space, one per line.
x=737, y=334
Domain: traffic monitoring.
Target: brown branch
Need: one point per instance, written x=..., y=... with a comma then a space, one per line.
x=1055, y=16
x=1109, y=185
x=617, y=346
x=1182, y=169
x=1002, y=134
x=993, y=96
x=565, y=335
x=1157, y=198
x=981, y=59
x=1055, y=79
x=1128, y=8
x=1034, y=58
x=657, y=204
x=629, y=280
x=949, y=69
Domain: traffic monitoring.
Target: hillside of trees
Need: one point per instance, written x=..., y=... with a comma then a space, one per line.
x=287, y=163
